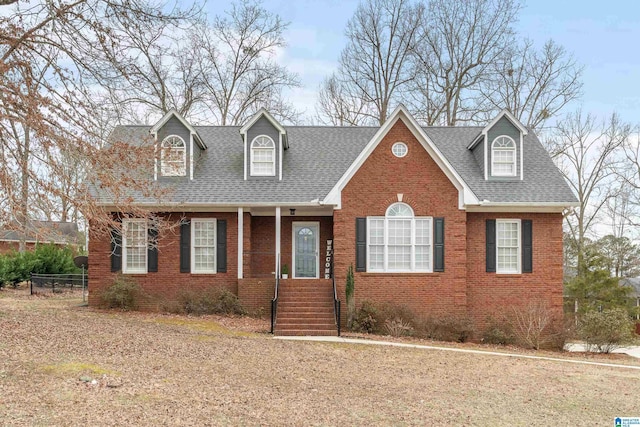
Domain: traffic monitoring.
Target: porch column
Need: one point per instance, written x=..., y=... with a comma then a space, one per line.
x=240, y=241
x=278, y=221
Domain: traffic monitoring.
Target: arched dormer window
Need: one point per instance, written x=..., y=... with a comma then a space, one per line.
x=173, y=156
x=263, y=156
x=399, y=241
x=503, y=156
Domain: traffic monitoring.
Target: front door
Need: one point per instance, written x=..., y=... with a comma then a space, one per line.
x=306, y=238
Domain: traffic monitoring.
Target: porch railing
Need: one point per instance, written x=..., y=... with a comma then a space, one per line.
x=274, y=301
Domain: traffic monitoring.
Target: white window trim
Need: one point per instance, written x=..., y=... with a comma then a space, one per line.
x=163, y=149
x=413, y=219
x=125, y=267
x=519, y=257
x=193, y=247
x=398, y=144
x=493, y=157
x=273, y=164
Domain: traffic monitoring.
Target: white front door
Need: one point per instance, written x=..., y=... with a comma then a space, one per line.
x=305, y=242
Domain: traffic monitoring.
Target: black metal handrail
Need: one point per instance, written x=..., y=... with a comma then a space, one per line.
x=274, y=301
x=336, y=301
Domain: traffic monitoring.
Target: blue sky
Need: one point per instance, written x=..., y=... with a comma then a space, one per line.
x=604, y=36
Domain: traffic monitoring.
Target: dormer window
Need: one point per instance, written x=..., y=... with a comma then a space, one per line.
x=173, y=156
x=263, y=156
x=503, y=156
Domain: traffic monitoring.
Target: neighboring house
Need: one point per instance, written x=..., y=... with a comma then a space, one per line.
x=56, y=232
x=463, y=221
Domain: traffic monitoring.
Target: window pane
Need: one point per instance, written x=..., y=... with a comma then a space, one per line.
x=423, y=257
x=423, y=231
x=399, y=258
x=376, y=257
x=399, y=232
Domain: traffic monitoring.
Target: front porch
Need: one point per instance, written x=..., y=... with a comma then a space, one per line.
x=293, y=242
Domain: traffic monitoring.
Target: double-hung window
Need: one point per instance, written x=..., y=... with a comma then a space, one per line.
x=263, y=156
x=399, y=241
x=134, y=246
x=508, y=246
x=203, y=246
x=173, y=157
x=503, y=156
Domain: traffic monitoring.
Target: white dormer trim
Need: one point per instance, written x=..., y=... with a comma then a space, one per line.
x=283, y=142
x=256, y=117
x=465, y=195
x=173, y=113
x=280, y=158
x=514, y=121
x=191, y=156
x=504, y=113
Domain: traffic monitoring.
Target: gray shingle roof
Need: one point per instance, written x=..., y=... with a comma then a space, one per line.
x=542, y=183
x=43, y=231
x=318, y=157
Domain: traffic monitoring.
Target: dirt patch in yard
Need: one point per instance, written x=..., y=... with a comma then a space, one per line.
x=65, y=364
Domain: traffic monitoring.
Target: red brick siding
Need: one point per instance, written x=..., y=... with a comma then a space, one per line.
x=263, y=232
x=491, y=294
x=430, y=193
x=6, y=247
x=168, y=282
x=256, y=294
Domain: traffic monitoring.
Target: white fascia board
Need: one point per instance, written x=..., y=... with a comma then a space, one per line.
x=191, y=158
x=465, y=195
x=256, y=117
x=230, y=207
x=522, y=207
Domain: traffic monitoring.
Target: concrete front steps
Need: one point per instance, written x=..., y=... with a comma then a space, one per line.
x=305, y=307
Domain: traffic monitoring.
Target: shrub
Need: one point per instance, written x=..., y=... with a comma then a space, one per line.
x=607, y=330
x=536, y=326
x=349, y=291
x=16, y=267
x=211, y=301
x=397, y=327
x=498, y=331
x=124, y=294
x=447, y=328
x=365, y=318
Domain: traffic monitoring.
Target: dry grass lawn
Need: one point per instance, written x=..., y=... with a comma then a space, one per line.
x=64, y=364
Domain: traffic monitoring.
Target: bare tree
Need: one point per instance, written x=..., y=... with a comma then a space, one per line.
x=150, y=72
x=458, y=43
x=338, y=108
x=374, y=66
x=587, y=153
x=235, y=58
x=533, y=85
x=47, y=51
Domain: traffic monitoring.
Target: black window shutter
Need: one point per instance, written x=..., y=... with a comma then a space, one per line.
x=221, y=242
x=116, y=250
x=527, y=246
x=361, y=244
x=152, y=250
x=185, y=247
x=438, y=238
x=491, y=246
